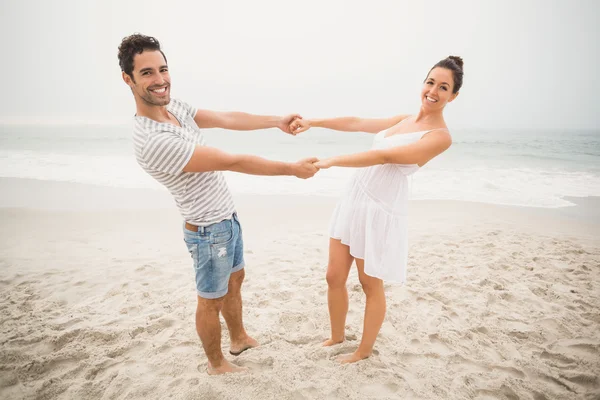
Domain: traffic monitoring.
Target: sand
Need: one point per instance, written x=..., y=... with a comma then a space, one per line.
x=97, y=301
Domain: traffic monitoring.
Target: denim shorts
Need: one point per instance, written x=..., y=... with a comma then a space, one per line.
x=217, y=251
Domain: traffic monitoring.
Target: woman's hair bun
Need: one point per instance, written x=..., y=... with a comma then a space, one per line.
x=457, y=60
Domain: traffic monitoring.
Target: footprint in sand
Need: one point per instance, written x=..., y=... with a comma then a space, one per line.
x=380, y=390
x=514, y=372
x=193, y=382
x=539, y=396
x=101, y=369
x=588, y=381
x=557, y=384
x=307, y=393
x=143, y=268
x=581, y=348
x=64, y=325
x=284, y=295
x=124, y=350
x=594, y=317
x=302, y=340
x=557, y=359
x=439, y=345
x=66, y=338
x=254, y=365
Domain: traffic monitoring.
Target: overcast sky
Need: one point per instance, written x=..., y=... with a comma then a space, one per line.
x=528, y=64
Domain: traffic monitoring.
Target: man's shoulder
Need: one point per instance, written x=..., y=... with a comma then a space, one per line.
x=180, y=108
x=145, y=125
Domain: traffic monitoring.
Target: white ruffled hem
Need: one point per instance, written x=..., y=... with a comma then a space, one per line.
x=372, y=234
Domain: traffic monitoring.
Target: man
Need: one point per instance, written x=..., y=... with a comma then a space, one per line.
x=170, y=147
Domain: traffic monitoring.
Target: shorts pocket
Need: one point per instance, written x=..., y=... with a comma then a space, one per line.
x=222, y=237
x=192, y=249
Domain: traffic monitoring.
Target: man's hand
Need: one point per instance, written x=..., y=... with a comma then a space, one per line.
x=284, y=123
x=305, y=168
x=299, y=125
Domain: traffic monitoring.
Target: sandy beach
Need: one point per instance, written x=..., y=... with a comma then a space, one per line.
x=97, y=301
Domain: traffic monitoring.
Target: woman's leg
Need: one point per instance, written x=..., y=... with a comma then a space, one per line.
x=374, y=314
x=338, y=269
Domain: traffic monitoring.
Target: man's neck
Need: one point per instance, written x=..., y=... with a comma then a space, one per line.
x=156, y=113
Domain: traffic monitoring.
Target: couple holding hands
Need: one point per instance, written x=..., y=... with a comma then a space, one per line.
x=369, y=223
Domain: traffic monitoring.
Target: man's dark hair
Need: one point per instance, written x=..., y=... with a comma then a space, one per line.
x=136, y=44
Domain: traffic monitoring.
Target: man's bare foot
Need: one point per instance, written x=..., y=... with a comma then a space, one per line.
x=237, y=348
x=224, y=368
x=351, y=358
x=331, y=342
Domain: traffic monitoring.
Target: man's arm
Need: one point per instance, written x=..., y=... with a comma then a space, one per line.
x=420, y=152
x=206, y=159
x=239, y=121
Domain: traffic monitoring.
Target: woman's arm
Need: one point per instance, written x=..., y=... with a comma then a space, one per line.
x=420, y=152
x=347, y=124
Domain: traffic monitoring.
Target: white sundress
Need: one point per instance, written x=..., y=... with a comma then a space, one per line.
x=371, y=217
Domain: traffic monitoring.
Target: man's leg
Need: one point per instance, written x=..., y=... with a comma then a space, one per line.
x=213, y=250
x=232, y=312
x=208, y=327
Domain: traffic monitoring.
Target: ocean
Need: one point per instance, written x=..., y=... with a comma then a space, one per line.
x=510, y=167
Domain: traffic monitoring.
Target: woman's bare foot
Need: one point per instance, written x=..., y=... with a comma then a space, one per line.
x=331, y=342
x=224, y=368
x=351, y=358
x=237, y=348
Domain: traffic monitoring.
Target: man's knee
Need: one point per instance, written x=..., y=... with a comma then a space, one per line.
x=209, y=305
x=236, y=279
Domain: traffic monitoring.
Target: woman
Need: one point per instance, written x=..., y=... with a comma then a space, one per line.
x=369, y=224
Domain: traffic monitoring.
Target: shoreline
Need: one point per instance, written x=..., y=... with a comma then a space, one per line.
x=16, y=191
x=581, y=220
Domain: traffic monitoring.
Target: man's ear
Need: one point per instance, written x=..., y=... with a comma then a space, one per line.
x=127, y=79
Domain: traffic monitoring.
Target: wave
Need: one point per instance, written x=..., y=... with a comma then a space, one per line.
x=535, y=187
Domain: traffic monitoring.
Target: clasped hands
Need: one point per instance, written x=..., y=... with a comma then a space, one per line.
x=306, y=168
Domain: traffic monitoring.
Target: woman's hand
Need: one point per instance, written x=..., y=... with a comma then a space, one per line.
x=324, y=164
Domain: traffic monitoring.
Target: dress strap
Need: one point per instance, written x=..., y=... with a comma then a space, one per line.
x=435, y=129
